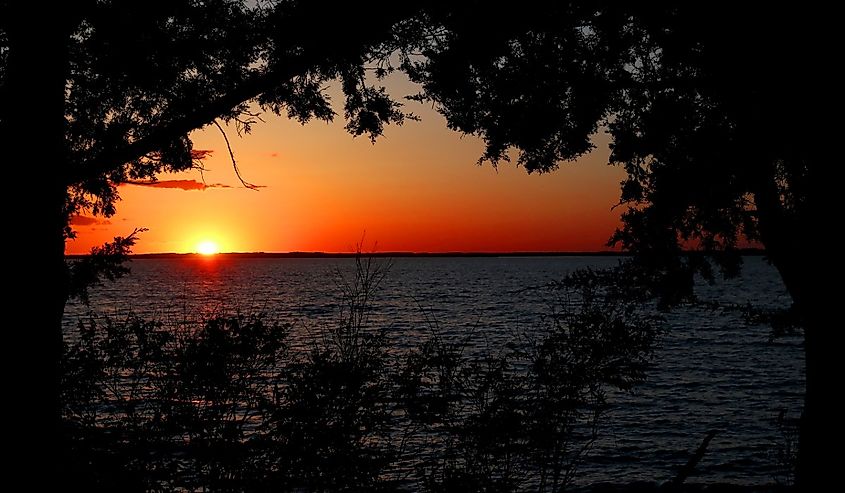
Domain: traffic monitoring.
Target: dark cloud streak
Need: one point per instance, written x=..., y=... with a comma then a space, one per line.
x=178, y=184
x=77, y=220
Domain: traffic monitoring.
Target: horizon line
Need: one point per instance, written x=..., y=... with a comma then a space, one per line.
x=320, y=254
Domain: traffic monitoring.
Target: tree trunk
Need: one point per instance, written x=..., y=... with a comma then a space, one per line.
x=32, y=126
x=817, y=424
x=787, y=237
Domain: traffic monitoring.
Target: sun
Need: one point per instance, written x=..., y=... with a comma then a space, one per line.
x=207, y=247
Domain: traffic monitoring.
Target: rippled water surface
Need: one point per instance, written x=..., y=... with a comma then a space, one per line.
x=712, y=371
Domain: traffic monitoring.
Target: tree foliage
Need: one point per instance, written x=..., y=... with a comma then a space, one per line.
x=712, y=109
x=141, y=77
x=706, y=109
x=103, y=263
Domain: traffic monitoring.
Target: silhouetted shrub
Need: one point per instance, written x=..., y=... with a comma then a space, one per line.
x=329, y=427
x=173, y=404
x=525, y=415
x=225, y=404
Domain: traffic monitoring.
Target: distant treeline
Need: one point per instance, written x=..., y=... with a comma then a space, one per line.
x=747, y=251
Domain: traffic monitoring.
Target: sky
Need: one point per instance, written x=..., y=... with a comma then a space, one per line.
x=417, y=189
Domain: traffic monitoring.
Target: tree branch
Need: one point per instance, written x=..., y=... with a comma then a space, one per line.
x=235, y=163
x=182, y=120
x=113, y=157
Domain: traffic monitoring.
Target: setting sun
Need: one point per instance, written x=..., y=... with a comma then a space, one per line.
x=207, y=248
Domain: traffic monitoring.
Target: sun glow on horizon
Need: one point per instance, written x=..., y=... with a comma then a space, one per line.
x=207, y=247
x=418, y=191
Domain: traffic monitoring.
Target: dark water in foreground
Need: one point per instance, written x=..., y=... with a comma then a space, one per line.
x=712, y=370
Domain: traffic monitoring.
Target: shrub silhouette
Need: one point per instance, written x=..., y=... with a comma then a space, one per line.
x=226, y=404
x=527, y=414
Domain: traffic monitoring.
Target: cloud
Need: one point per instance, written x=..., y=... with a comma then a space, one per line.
x=180, y=184
x=77, y=220
x=200, y=154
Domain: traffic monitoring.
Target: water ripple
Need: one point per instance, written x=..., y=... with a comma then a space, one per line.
x=711, y=370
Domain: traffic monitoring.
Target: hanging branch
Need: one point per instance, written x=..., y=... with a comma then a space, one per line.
x=245, y=183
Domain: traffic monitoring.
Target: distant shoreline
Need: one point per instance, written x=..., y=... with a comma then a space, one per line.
x=260, y=255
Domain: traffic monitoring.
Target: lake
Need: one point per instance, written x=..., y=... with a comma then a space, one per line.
x=712, y=370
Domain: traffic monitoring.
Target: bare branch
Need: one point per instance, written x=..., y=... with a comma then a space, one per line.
x=235, y=163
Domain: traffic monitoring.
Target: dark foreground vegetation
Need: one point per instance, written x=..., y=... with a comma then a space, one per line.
x=235, y=403
x=716, y=112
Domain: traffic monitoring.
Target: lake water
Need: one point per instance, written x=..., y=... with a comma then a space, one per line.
x=712, y=371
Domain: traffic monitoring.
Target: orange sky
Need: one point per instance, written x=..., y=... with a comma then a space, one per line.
x=417, y=189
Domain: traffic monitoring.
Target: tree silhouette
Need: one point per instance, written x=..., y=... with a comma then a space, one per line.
x=713, y=112
x=109, y=91
x=717, y=115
